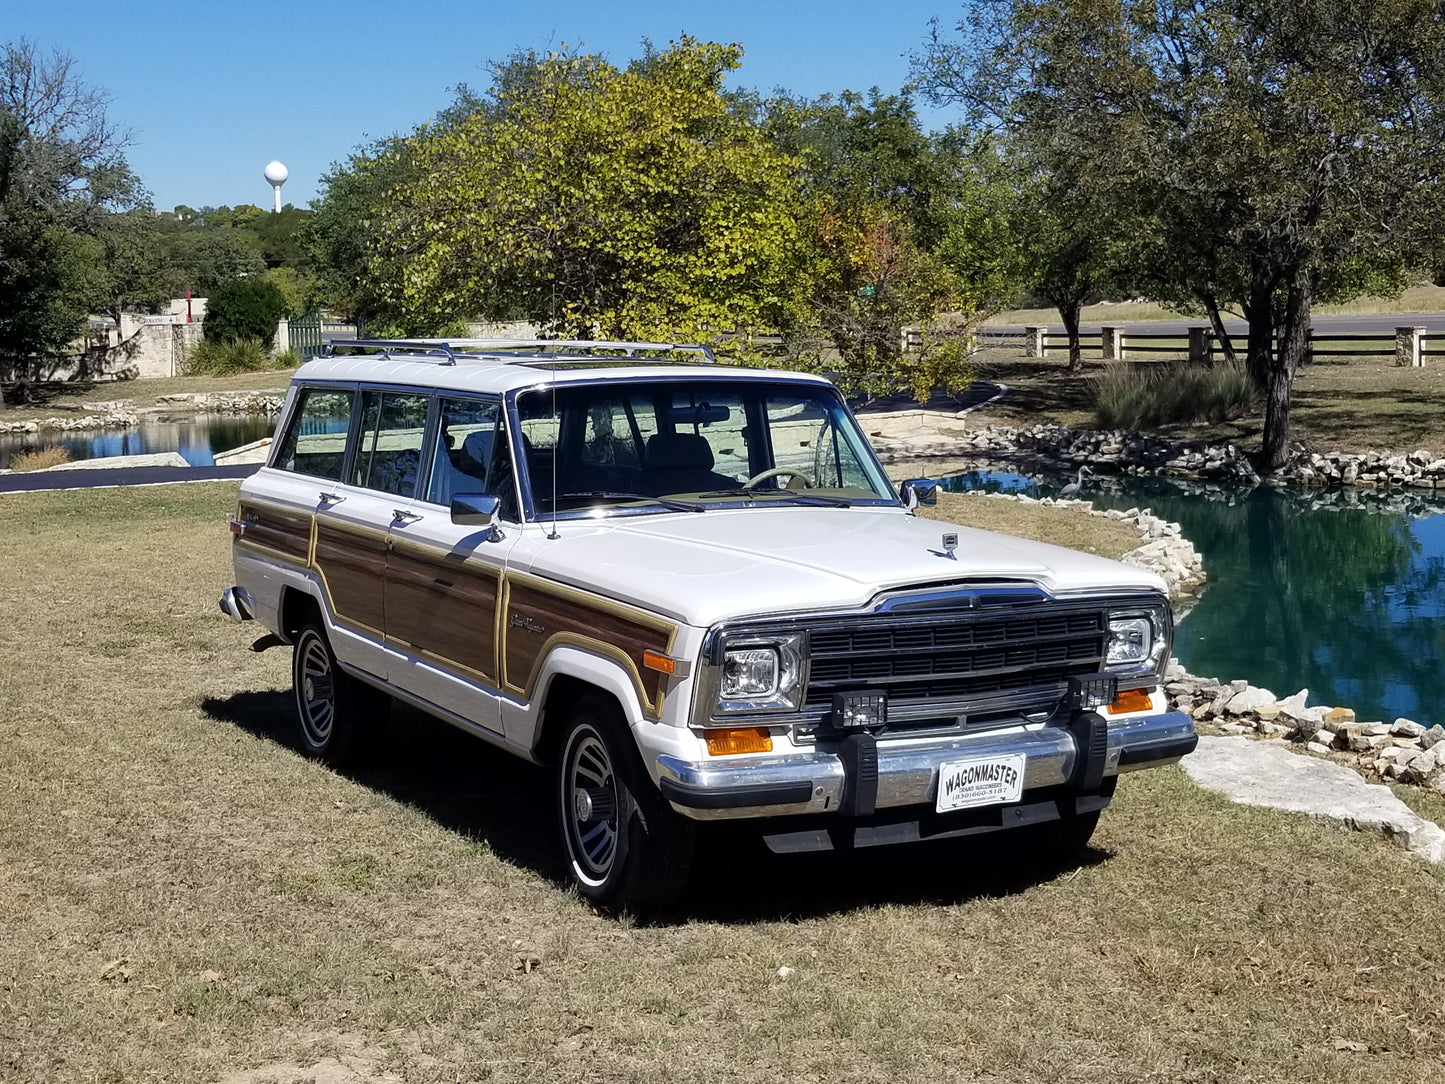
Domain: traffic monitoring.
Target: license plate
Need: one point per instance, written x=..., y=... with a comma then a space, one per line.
x=963, y=784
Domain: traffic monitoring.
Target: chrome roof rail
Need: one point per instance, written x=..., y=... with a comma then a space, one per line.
x=423, y=348
x=464, y=347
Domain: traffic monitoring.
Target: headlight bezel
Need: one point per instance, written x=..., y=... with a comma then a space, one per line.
x=1149, y=664
x=784, y=696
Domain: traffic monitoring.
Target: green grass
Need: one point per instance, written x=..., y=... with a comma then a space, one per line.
x=184, y=897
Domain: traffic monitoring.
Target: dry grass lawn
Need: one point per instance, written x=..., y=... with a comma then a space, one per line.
x=1069, y=527
x=184, y=898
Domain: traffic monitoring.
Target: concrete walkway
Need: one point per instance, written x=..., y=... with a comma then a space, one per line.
x=82, y=477
x=1266, y=774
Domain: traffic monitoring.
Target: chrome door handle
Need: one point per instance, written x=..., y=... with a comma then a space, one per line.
x=331, y=498
x=398, y=516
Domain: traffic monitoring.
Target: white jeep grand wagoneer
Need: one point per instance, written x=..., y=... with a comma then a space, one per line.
x=692, y=591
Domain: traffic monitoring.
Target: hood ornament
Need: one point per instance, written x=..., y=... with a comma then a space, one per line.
x=950, y=543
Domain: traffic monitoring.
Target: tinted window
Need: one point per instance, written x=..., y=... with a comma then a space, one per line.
x=316, y=441
x=388, y=454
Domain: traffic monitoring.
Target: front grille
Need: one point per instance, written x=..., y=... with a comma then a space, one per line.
x=964, y=655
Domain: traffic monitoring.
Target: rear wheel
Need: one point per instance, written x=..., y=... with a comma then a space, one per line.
x=337, y=714
x=626, y=847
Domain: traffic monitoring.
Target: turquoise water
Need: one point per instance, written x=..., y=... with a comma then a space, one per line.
x=196, y=436
x=1340, y=593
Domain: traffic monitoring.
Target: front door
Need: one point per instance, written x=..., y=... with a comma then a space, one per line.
x=443, y=579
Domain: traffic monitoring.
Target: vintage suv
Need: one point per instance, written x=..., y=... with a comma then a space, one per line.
x=693, y=592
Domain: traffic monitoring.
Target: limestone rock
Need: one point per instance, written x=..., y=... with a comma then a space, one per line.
x=1433, y=736
x=1337, y=717
x=1250, y=699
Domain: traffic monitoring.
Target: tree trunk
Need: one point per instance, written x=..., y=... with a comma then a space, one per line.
x=1069, y=311
x=1293, y=343
x=1259, y=311
x=1216, y=321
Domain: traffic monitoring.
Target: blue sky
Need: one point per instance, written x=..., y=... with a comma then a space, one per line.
x=214, y=91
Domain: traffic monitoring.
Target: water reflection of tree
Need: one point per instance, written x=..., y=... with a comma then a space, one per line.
x=1338, y=601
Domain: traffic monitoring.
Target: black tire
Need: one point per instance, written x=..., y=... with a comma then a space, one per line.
x=337, y=716
x=626, y=848
x=1064, y=841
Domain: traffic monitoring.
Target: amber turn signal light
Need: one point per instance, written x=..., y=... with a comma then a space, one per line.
x=655, y=660
x=727, y=741
x=1131, y=700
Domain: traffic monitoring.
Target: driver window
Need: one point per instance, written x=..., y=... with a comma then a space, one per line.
x=466, y=435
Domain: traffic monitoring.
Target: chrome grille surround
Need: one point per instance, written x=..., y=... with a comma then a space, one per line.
x=964, y=656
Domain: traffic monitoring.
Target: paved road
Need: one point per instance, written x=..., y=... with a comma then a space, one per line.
x=1377, y=324
x=36, y=481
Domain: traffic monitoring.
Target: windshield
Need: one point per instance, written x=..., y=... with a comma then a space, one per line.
x=691, y=445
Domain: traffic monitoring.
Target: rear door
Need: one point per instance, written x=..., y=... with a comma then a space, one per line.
x=355, y=518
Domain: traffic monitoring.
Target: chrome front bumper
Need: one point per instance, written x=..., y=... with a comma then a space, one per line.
x=907, y=768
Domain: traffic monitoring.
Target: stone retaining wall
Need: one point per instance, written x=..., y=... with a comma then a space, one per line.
x=1126, y=452
x=1403, y=750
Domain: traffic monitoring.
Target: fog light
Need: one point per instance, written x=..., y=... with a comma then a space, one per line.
x=859, y=711
x=1131, y=700
x=1090, y=693
x=728, y=741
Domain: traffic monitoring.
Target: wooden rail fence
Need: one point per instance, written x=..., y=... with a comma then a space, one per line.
x=1409, y=346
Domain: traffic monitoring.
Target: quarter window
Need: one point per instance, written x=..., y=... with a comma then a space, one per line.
x=388, y=455
x=315, y=444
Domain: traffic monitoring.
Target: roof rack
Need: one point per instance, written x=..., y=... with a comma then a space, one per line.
x=448, y=350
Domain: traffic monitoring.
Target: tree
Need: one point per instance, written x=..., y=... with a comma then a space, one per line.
x=891, y=218
x=247, y=308
x=62, y=175
x=1299, y=143
x=593, y=200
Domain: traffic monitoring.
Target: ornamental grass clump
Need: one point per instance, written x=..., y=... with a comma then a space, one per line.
x=52, y=455
x=1149, y=396
x=210, y=358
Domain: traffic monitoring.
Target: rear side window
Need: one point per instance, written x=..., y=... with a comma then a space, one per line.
x=316, y=441
x=388, y=453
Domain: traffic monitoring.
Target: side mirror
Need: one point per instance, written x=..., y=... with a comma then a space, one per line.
x=918, y=491
x=477, y=510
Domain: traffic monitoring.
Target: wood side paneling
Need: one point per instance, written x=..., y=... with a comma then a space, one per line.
x=352, y=563
x=538, y=615
x=445, y=605
x=283, y=531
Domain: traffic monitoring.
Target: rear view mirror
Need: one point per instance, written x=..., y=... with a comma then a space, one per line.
x=477, y=510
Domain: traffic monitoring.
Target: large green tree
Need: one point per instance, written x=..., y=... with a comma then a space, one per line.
x=594, y=200
x=1297, y=144
x=63, y=181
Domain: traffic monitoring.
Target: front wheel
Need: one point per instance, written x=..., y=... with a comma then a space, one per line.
x=338, y=715
x=626, y=848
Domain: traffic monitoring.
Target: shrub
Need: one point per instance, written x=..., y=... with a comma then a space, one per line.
x=1148, y=396
x=286, y=359
x=210, y=358
x=246, y=308
x=52, y=455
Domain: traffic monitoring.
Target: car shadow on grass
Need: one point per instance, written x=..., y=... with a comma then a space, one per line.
x=486, y=794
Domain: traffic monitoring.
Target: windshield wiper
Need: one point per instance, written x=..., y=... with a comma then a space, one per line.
x=784, y=496
x=610, y=495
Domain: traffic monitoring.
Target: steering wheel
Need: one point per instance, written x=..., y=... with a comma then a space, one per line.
x=777, y=472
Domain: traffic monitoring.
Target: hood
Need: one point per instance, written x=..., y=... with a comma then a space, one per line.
x=702, y=568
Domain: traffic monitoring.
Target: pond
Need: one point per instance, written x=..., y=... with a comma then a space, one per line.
x=196, y=436
x=1342, y=592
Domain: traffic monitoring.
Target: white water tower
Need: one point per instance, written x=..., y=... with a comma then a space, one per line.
x=276, y=175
